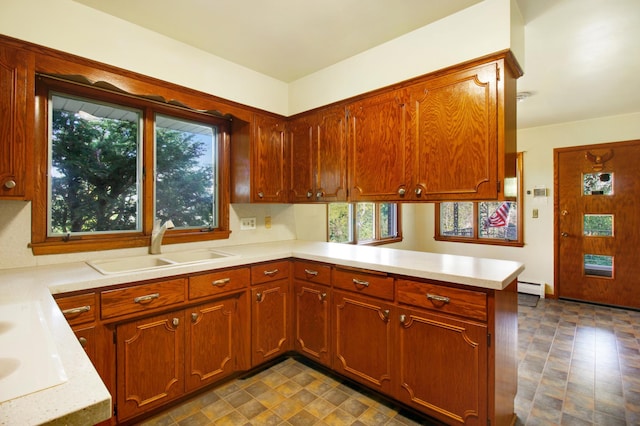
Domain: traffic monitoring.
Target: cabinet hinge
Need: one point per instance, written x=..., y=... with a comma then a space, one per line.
x=488, y=339
x=498, y=69
x=115, y=410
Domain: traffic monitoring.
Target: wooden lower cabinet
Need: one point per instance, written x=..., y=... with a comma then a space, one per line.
x=442, y=366
x=150, y=363
x=216, y=341
x=312, y=315
x=364, y=340
x=270, y=321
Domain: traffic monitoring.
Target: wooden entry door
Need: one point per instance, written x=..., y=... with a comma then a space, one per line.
x=597, y=223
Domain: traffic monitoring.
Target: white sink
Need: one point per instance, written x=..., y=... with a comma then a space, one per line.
x=24, y=370
x=129, y=264
x=156, y=261
x=196, y=256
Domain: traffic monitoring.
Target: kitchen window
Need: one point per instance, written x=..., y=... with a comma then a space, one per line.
x=364, y=223
x=482, y=222
x=115, y=164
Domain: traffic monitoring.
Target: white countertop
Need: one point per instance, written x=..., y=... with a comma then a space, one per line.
x=83, y=398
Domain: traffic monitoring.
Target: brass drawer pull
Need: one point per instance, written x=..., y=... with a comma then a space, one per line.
x=435, y=297
x=322, y=297
x=76, y=311
x=221, y=283
x=146, y=299
x=259, y=297
x=271, y=272
x=83, y=341
x=311, y=272
x=360, y=282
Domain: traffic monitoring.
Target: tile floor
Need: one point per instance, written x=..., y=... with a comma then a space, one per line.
x=579, y=365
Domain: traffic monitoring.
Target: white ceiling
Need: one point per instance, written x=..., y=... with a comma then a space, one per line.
x=582, y=57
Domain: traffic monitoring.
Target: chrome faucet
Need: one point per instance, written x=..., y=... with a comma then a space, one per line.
x=156, y=235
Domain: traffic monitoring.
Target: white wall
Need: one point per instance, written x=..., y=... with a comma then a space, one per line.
x=537, y=143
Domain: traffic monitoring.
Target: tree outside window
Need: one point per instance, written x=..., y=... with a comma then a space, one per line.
x=363, y=223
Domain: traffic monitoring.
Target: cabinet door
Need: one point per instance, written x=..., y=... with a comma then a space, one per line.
x=442, y=367
x=13, y=127
x=364, y=340
x=455, y=131
x=214, y=341
x=378, y=162
x=312, y=304
x=150, y=363
x=331, y=158
x=301, y=133
x=271, y=335
x=270, y=162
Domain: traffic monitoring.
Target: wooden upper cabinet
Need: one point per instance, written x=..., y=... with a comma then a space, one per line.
x=260, y=167
x=378, y=151
x=270, y=161
x=454, y=126
x=14, y=128
x=319, y=156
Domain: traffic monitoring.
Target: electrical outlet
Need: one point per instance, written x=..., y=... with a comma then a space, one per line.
x=534, y=214
x=247, y=223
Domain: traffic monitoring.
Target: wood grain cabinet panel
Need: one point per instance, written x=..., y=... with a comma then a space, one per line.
x=378, y=147
x=142, y=298
x=364, y=340
x=270, y=320
x=318, y=156
x=442, y=367
x=150, y=366
x=216, y=336
x=15, y=88
x=454, y=126
x=214, y=283
x=366, y=283
x=270, y=165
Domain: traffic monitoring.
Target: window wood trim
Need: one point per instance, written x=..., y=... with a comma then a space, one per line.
x=42, y=244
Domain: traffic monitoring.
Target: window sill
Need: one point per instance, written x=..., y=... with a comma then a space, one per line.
x=481, y=241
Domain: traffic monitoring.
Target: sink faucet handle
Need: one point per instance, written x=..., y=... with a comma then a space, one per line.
x=169, y=224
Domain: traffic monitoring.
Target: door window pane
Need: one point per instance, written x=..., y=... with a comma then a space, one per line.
x=598, y=265
x=456, y=219
x=598, y=225
x=186, y=171
x=94, y=167
x=597, y=183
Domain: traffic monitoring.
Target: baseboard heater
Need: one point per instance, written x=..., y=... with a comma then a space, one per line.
x=531, y=288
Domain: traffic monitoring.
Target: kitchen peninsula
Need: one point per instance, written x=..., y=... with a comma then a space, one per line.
x=469, y=302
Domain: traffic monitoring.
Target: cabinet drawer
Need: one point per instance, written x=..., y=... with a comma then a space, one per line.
x=467, y=303
x=311, y=271
x=376, y=285
x=217, y=282
x=78, y=309
x=267, y=272
x=142, y=298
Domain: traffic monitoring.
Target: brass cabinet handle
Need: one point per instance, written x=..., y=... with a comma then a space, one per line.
x=403, y=319
x=418, y=191
x=360, y=282
x=221, y=283
x=319, y=194
x=146, y=299
x=271, y=272
x=10, y=184
x=402, y=191
x=259, y=297
x=194, y=316
x=564, y=234
x=311, y=272
x=83, y=341
x=385, y=314
x=261, y=194
x=437, y=298
x=309, y=194
x=322, y=297
x=76, y=311
x=175, y=322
